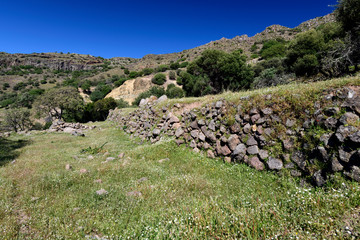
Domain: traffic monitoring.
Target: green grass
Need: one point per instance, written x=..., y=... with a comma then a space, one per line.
x=187, y=197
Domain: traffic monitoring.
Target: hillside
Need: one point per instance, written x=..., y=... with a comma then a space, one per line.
x=110, y=184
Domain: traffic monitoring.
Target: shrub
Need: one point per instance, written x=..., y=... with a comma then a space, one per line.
x=172, y=75
x=148, y=71
x=174, y=66
x=154, y=91
x=162, y=68
x=121, y=103
x=174, y=92
x=100, y=92
x=159, y=79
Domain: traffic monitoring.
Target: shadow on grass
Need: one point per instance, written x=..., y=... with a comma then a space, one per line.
x=8, y=149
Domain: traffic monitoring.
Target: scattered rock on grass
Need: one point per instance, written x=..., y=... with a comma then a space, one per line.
x=101, y=192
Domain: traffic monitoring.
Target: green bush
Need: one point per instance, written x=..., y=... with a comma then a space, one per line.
x=100, y=92
x=273, y=48
x=215, y=71
x=154, y=91
x=121, y=103
x=174, y=66
x=172, y=75
x=159, y=79
x=162, y=68
x=174, y=92
x=147, y=71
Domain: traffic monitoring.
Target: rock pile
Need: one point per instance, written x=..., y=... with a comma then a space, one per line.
x=72, y=128
x=329, y=137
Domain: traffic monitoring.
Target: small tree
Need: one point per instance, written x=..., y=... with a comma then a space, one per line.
x=159, y=79
x=56, y=101
x=17, y=119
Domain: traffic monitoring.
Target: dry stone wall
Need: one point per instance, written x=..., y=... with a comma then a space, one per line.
x=325, y=141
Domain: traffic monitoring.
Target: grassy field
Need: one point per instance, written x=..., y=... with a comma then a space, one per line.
x=185, y=196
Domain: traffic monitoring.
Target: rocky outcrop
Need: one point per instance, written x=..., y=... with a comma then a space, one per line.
x=326, y=141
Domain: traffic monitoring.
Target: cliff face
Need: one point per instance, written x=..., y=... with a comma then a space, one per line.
x=313, y=143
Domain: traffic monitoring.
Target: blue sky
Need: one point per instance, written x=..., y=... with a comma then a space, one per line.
x=134, y=28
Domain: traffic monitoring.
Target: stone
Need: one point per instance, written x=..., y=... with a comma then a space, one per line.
x=134, y=194
x=255, y=118
x=210, y=154
x=222, y=129
x=331, y=123
x=290, y=165
x=83, y=170
x=176, y=126
x=121, y=155
x=247, y=128
x=156, y=132
x=240, y=150
x=109, y=159
x=179, y=141
x=163, y=160
x=223, y=139
x=267, y=111
x=325, y=138
x=274, y=163
x=101, y=192
x=223, y=150
x=355, y=138
x=209, y=135
x=98, y=181
x=201, y=122
x=206, y=146
x=235, y=128
x=233, y=141
x=256, y=163
x=201, y=136
x=194, y=125
x=349, y=118
x=343, y=132
x=288, y=144
x=268, y=131
x=322, y=154
x=212, y=125
x=218, y=104
x=68, y=130
x=253, y=111
x=194, y=134
x=173, y=119
x=295, y=173
x=193, y=144
x=90, y=157
x=227, y=159
x=344, y=156
x=299, y=158
x=197, y=150
x=251, y=141
x=179, y=132
x=290, y=123
x=335, y=165
x=263, y=154
x=252, y=150
x=354, y=173
x=318, y=178
x=161, y=99
x=68, y=167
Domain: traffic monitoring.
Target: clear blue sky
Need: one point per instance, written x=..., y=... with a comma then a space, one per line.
x=134, y=28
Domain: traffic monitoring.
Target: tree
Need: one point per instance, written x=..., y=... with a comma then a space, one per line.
x=159, y=79
x=348, y=14
x=17, y=119
x=57, y=101
x=100, y=92
x=273, y=48
x=102, y=108
x=216, y=71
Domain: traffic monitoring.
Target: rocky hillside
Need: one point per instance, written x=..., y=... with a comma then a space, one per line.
x=309, y=133
x=244, y=42
x=58, y=61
